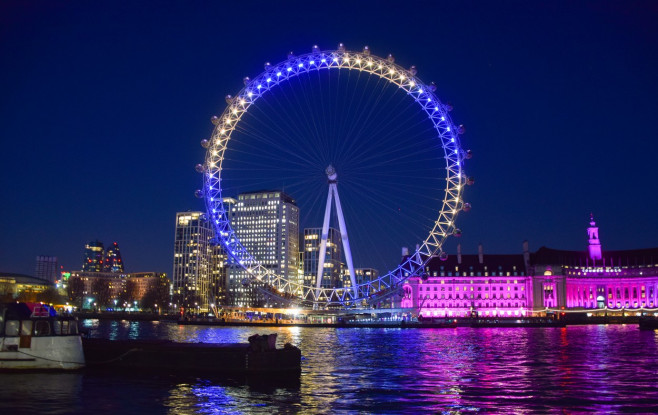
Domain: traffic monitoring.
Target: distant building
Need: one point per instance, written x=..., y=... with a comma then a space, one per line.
x=115, y=284
x=46, y=268
x=93, y=257
x=548, y=280
x=267, y=225
x=12, y=285
x=198, y=274
x=365, y=275
x=113, y=261
x=491, y=285
x=332, y=272
x=596, y=279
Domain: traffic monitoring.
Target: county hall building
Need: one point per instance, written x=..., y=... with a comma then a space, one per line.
x=526, y=284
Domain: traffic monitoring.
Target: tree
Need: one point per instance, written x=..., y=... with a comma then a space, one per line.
x=50, y=296
x=157, y=293
x=100, y=289
x=75, y=290
x=129, y=293
x=27, y=296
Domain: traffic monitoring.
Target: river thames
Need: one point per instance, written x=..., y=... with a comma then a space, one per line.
x=601, y=369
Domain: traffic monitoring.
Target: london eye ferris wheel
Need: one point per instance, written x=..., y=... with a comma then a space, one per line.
x=306, y=121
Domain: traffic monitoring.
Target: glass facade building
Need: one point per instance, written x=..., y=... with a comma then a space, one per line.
x=267, y=225
x=199, y=264
x=93, y=257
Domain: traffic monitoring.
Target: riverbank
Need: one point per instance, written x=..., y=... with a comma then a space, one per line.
x=566, y=320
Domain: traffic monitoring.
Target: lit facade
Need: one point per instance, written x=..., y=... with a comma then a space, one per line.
x=93, y=257
x=267, y=225
x=466, y=284
x=198, y=263
x=547, y=280
x=596, y=279
x=332, y=272
x=113, y=261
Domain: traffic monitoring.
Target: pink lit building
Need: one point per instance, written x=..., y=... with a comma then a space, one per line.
x=490, y=285
x=534, y=283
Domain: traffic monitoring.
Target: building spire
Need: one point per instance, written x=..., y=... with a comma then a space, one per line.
x=594, y=242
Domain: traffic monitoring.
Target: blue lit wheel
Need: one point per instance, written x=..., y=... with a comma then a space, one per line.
x=297, y=75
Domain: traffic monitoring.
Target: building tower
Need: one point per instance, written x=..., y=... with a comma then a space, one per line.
x=46, y=268
x=94, y=255
x=332, y=275
x=113, y=261
x=594, y=242
x=194, y=256
x=267, y=225
x=332, y=177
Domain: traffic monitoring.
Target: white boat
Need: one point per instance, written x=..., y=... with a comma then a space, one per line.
x=32, y=337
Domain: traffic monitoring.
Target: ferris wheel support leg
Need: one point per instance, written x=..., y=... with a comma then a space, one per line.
x=323, y=245
x=346, y=241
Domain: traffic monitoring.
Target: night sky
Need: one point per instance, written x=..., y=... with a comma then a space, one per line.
x=103, y=105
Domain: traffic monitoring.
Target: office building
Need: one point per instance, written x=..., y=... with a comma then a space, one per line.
x=332, y=273
x=113, y=261
x=46, y=268
x=93, y=257
x=198, y=263
x=267, y=225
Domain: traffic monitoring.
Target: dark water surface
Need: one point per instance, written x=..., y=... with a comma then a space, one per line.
x=601, y=369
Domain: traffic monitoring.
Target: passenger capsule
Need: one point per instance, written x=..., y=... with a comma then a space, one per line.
x=366, y=50
x=448, y=107
x=432, y=86
x=214, y=120
x=315, y=49
x=229, y=99
x=413, y=70
x=390, y=58
x=198, y=193
x=267, y=65
x=457, y=233
x=245, y=282
x=424, y=276
x=291, y=55
x=199, y=168
x=466, y=207
x=461, y=129
x=205, y=143
x=469, y=154
x=470, y=180
x=443, y=256
x=341, y=47
x=246, y=80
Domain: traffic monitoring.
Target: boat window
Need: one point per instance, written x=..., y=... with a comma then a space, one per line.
x=26, y=327
x=57, y=326
x=11, y=329
x=42, y=328
x=65, y=327
x=73, y=327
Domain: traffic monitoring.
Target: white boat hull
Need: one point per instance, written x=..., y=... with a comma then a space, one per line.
x=44, y=353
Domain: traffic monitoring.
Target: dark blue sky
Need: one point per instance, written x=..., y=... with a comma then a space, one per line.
x=103, y=104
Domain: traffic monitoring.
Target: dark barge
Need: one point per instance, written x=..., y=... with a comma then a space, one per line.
x=648, y=323
x=259, y=356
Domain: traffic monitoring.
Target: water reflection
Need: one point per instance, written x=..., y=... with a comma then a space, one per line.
x=603, y=369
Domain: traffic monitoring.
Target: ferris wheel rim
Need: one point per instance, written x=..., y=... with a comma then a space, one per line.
x=279, y=74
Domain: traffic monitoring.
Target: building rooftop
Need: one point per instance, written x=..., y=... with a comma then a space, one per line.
x=625, y=258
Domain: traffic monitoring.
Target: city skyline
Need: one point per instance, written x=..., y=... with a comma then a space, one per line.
x=120, y=121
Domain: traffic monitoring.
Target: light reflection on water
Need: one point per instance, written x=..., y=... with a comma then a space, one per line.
x=606, y=369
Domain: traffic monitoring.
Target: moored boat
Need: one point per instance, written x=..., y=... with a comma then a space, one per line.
x=258, y=357
x=648, y=323
x=34, y=337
